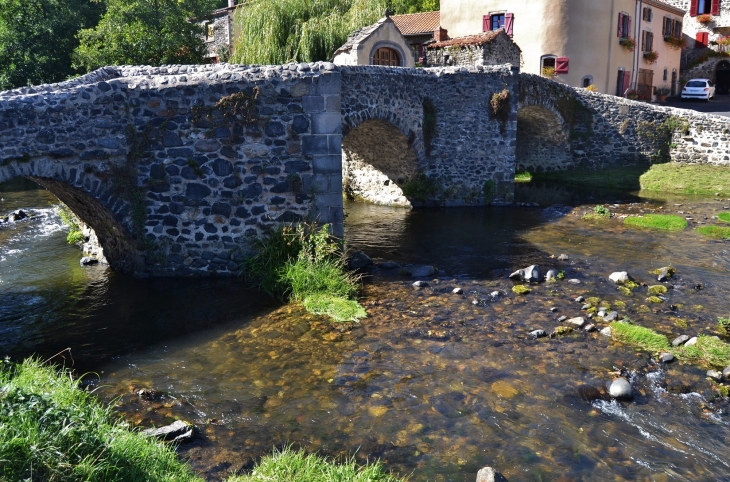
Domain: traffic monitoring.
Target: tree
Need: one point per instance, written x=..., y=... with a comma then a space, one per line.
x=145, y=32
x=279, y=31
x=37, y=38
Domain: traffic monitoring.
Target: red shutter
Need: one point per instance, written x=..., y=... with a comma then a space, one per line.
x=486, y=23
x=561, y=65
x=627, y=81
x=715, y=7
x=693, y=8
x=620, y=24
x=702, y=39
x=509, y=20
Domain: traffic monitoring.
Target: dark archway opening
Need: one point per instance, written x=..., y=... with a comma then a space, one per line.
x=377, y=159
x=541, y=141
x=722, y=78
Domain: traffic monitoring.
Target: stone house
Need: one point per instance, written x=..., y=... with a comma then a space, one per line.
x=378, y=44
x=220, y=33
x=615, y=46
x=488, y=48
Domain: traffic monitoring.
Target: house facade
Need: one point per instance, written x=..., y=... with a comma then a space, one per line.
x=378, y=44
x=617, y=46
x=488, y=48
x=219, y=33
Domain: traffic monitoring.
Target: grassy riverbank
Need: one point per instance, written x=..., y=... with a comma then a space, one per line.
x=671, y=177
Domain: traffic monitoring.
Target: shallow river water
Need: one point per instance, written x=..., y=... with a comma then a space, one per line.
x=434, y=384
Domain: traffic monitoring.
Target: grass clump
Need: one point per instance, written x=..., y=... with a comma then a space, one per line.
x=724, y=217
x=306, y=264
x=708, y=351
x=520, y=289
x=657, y=290
x=665, y=222
x=599, y=213
x=52, y=430
x=723, y=325
x=523, y=176
x=718, y=232
x=68, y=218
x=636, y=335
x=288, y=465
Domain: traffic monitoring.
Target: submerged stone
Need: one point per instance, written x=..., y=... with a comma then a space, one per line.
x=178, y=431
x=488, y=474
x=620, y=388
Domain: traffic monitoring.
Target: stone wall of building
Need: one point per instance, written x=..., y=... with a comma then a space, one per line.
x=470, y=147
x=497, y=51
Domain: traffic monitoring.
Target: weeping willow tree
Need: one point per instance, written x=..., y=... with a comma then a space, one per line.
x=281, y=31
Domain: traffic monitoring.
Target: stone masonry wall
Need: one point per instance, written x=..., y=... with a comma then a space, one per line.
x=500, y=50
x=470, y=147
x=207, y=184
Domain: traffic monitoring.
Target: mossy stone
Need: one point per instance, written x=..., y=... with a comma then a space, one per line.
x=657, y=290
x=520, y=290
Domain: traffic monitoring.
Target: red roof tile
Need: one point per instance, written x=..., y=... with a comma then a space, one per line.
x=479, y=39
x=414, y=23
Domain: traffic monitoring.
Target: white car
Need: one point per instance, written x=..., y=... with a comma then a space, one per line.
x=698, y=89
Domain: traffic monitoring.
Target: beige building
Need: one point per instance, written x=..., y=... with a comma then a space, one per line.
x=378, y=44
x=582, y=42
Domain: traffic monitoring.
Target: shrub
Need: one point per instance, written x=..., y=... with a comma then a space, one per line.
x=52, y=430
x=68, y=218
x=421, y=188
x=666, y=222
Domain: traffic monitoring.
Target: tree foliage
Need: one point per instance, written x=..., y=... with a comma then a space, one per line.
x=37, y=38
x=280, y=31
x=145, y=32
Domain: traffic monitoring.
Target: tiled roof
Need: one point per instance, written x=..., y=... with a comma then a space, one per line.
x=414, y=23
x=479, y=39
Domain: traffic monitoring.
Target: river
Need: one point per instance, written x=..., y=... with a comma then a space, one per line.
x=433, y=383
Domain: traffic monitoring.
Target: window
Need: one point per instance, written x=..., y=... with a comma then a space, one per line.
x=496, y=21
x=210, y=30
x=547, y=65
x=623, y=82
x=647, y=41
x=624, y=25
x=386, y=56
x=677, y=29
x=671, y=28
x=647, y=14
x=702, y=7
x=666, y=75
x=587, y=80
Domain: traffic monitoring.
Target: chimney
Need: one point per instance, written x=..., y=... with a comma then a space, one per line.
x=231, y=3
x=440, y=35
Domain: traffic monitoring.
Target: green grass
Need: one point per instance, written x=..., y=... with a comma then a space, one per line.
x=69, y=219
x=51, y=430
x=666, y=222
x=718, y=232
x=636, y=335
x=287, y=465
x=724, y=217
x=670, y=177
x=523, y=176
x=306, y=264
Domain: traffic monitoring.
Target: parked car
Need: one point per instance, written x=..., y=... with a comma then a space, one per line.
x=698, y=89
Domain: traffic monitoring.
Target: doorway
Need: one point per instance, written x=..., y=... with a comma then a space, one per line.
x=722, y=78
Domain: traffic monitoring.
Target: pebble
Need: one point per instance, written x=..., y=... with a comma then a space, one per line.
x=585, y=307
x=580, y=299
x=578, y=321
x=457, y=291
x=606, y=331
x=691, y=342
x=563, y=257
x=574, y=281
x=420, y=284
x=666, y=358
x=715, y=375
x=494, y=294
x=590, y=328
x=620, y=388
x=551, y=274
x=554, y=309
x=619, y=277
x=680, y=340
x=562, y=318
x=590, y=315
x=612, y=316
x=538, y=333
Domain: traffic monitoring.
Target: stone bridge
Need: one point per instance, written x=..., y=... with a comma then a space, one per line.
x=177, y=168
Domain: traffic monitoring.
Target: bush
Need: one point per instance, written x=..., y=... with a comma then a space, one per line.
x=52, y=430
x=68, y=218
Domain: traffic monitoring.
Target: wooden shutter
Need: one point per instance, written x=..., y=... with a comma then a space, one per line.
x=486, y=23
x=715, y=10
x=643, y=40
x=649, y=41
x=666, y=27
x=561, y=65
x=693, y=8
x=702, y=38
x=509, y=20
x=627, y=81
x=620, y=24
x=678, y=29
x=628, y=25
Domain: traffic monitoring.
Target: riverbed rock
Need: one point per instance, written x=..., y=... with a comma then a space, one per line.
x=585, y=307
x=590, y=328
x=612, y=316
x=680, y=340
x=179, y=432
x=495, y=294
x=488, y=474
x=359, y=260
x=531, y=274
x=574, y=281
x=577, y=321
x=726, y=373
x=150, y=395
x=691, y=342
x=551, y=274
x=563, y=257
x=457, y=291
x=388, y=265
x=663, y=274
x=420, y=284
x=562, y=318
x=17, y=215
x=715, y=375
x=666, y=358
x=538, y=333
x=620, y=388
x=580, y=299
x=620, y=277
x=88, y=261
x=422, y=271
x=606, y=331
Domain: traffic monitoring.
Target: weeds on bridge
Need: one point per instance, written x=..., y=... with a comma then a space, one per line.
x=660, y=137
x=68, y=218
x=500, y=108
x=429, y=124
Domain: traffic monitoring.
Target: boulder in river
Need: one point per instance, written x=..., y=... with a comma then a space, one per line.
x=88, y=261
x=692, y=341
x=531, y=274
x=17, y=215
x=420, y=284
x=620, y=277
x=577, y=321
x=178, y=431
x=422, y=271
x=715, y=375
x=680, y=340
x=612, y=316
x=457, y=291
x=359, y=260
x=488, y=474
x=388, y=265
x=666, y=358
x=620, y=388
x=551, y=274
x=538, y=333
x=663, y=274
